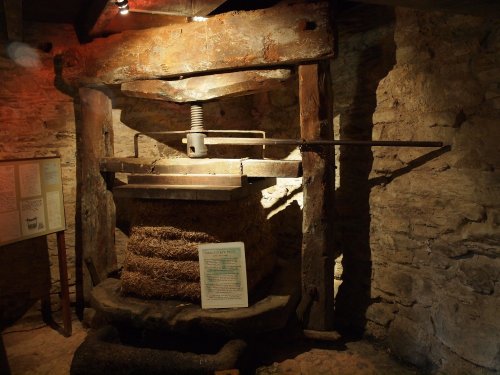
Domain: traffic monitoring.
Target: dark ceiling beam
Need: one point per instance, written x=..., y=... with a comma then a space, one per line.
x=14, y=19
x=205, y=7
x=184, y=8
x=102, y=13
x=482, y=8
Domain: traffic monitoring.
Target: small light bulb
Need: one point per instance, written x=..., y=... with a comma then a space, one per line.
x=123, y=6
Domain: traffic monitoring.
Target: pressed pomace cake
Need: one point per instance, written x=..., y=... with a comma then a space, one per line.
x=162, y=252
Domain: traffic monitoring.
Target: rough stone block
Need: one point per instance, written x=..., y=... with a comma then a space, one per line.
x=381, y=313
x=480, y=273
x=469, y=328
x=409, y=342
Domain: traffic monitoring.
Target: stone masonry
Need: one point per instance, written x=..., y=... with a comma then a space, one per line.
x=418, y=228
x=434, y=233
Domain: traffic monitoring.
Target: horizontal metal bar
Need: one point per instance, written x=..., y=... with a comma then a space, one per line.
x=184, y=132
x=299, y=142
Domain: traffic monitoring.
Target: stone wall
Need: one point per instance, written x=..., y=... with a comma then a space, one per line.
x=37, y=120
x=420, y=227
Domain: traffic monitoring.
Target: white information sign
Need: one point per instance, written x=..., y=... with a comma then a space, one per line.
x=223, y=275
x=31, y=200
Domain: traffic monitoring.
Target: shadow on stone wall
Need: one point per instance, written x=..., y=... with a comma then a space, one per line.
x=352, y=197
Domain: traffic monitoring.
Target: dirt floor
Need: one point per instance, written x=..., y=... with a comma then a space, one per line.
x=34, y=348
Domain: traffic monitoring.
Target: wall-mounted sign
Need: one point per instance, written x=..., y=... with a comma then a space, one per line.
x=31, y=199
x=223, y=275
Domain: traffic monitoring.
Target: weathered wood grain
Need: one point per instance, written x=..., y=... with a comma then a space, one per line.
x=249, y=167
x=189, y=179
x=272, y=168
x=202, y=88
x=316, y=117
x=285, y=34
x=192, y=192
x=97, y=210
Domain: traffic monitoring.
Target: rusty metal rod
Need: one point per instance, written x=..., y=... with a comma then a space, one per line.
x=298, y=142
x=177, y=133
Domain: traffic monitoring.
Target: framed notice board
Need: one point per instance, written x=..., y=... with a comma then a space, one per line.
x=31, y=198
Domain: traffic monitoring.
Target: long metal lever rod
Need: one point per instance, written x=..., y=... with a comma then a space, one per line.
x=298, y=142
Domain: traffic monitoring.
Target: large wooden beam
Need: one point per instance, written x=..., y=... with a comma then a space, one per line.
x=285, y=34
x=208, y=87
x=192, y=192
x=316, y=122
x=97, y=210
x=249, y=167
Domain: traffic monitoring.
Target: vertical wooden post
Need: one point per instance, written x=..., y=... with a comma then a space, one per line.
x=97, y=210
x=316, y=122
x=63, y=280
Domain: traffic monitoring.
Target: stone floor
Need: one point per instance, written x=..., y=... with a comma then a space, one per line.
x=34, y=348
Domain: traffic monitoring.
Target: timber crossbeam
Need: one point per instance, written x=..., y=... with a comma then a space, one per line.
x=282, y=35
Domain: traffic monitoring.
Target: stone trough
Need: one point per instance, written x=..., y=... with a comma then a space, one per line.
x=139, y=336
x=104, y=352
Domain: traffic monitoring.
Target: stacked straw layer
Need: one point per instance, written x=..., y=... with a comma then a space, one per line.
x=162, y=253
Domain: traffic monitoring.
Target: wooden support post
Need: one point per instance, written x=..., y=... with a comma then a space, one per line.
x=63, y=280
x=97, y=210
x=316, y=112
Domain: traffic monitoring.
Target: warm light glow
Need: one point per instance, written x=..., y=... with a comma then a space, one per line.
x=124, y=11
x=199, y=19
x=24, y=55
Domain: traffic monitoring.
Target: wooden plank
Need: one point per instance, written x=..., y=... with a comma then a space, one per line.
x=97, y=211
x=14, y=19
x=168, y=166
x=284, y=34
x=316, y=115
x=208, y=87
x=179, y=192
x=192, y=192
x=190, y=179
x=272, y=168
x=249, y=167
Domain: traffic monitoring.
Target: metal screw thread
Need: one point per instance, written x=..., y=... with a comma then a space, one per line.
x=196, y=117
